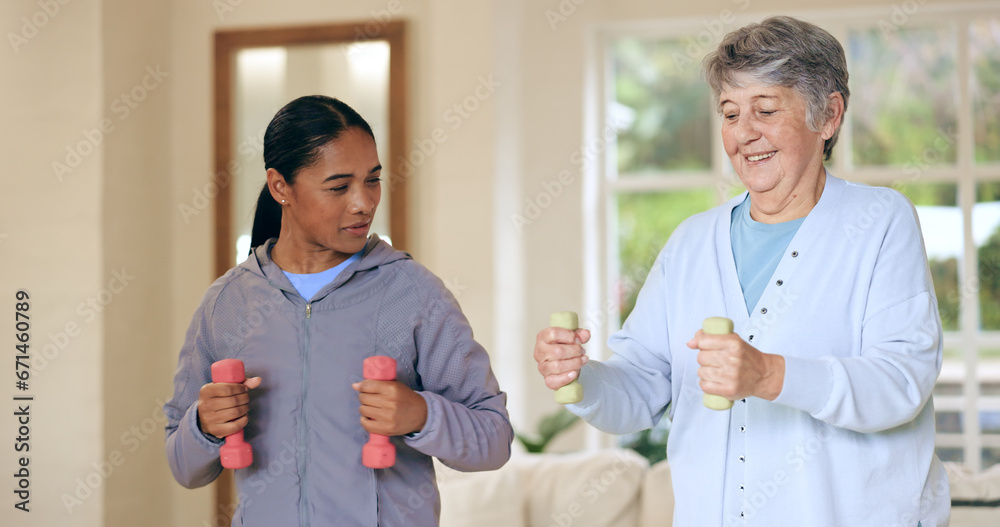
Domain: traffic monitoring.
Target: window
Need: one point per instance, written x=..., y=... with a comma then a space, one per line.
x=924, y=118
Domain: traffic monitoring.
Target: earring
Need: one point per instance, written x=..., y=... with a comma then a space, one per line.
x=282, y=201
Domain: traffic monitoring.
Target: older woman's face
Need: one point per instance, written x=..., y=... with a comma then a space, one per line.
x=766, y=138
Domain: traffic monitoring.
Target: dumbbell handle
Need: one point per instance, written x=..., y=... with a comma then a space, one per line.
x=378, y=452
x=716, y=326
x=235, y=453
x=571, y=393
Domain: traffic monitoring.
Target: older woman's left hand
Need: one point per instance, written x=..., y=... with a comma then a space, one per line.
x=734, y=369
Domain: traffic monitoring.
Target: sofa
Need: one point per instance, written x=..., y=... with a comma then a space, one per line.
x=618, y=488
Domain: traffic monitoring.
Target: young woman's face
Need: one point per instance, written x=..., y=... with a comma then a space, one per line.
x=331, y=204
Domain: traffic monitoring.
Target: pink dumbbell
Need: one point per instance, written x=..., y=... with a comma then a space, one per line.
x=378, y=452
x=236, y=453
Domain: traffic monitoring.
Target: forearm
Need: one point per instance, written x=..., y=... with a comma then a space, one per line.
x=769, y=386
x=620, y=397
x=463, y=438
x=885, y=386
x=193, y=456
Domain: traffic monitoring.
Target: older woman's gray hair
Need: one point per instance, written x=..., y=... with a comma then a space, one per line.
x=784, y=51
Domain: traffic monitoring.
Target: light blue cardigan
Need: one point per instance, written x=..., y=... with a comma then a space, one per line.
x=851, y=306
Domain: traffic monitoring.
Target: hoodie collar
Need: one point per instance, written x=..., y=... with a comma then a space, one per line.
x=376, y=252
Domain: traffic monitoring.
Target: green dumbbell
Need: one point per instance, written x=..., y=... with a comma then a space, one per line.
x=716, y=326
x=573, y=392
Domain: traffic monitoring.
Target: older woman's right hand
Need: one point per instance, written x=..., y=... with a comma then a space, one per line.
x=223, y=407
x=560, y=355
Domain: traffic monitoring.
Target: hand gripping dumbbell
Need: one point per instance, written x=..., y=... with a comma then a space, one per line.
x=236, y=453
x=716, y=326
x=378, y=452
x=572, y=393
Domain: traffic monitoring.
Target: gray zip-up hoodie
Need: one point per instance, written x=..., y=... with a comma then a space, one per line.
x=304, y=422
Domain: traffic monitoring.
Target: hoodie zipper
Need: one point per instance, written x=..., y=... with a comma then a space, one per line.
x=303, y=426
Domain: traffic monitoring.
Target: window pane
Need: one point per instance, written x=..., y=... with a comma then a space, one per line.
x=645, y=221
x=947, y=388
x=986, y=233
x=941, y=223
x=990, y=387
x=991, y=456
x=661, y=107
x=956, y=455
x=989, y=421
x=949, y=422
x=984, y=56
x=903, y=102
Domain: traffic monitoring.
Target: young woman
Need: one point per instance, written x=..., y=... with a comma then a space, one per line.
x=316, y=297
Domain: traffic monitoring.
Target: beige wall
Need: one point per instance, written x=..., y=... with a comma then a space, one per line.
x=117, y=213
x=138, y=356
x=51, y=245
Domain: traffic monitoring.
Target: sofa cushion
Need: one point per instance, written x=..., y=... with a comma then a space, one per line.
x=975, y=498
x=967, y=486
x=657, y=508
x=480, y=499
x=583, y=489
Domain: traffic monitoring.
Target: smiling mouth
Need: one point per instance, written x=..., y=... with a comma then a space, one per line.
x=761, y=157
x=359, y=226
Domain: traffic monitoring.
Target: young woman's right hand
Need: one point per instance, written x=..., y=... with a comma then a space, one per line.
x=223, y=407
x=560, y=355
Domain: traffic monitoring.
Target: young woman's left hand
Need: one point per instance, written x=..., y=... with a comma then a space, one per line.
x=390, y=408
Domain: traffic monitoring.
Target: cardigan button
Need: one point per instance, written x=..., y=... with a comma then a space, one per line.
x=779, y=282
x=743, y=429
x=795, y=254
x=751, y=338
x=763, y=311
x=743, y=459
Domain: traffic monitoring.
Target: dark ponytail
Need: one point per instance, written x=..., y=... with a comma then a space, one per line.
x=292, y=142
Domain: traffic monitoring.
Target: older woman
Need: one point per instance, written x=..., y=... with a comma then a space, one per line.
x=837, y=340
